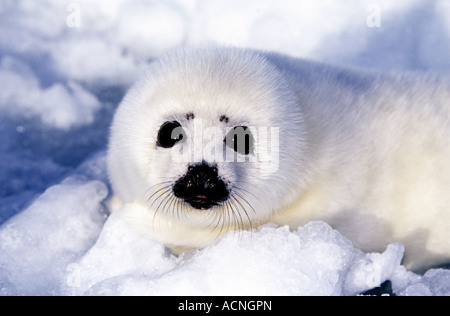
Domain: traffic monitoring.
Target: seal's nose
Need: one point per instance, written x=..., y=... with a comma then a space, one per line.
x=203, y=176
x=201, y=187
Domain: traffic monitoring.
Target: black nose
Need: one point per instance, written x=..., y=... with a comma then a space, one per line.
x=201, y=187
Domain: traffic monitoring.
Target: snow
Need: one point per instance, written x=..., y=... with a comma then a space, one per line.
x=60, y=105
x=315, y=260
x=64, y=66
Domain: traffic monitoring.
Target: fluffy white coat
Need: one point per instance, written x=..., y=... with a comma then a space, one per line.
x=368, y=153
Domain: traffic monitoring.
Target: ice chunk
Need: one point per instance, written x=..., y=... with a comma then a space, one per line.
x=314, y=260
x=118, y=253
x=434, y=282
x=373, y=269
x=37, y=244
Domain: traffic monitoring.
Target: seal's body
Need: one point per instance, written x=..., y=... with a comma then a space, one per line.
x=216, y=139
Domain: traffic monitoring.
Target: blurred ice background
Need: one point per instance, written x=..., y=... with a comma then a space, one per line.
x=64, y=67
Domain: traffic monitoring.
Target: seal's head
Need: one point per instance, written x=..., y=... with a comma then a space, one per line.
x=210, y=140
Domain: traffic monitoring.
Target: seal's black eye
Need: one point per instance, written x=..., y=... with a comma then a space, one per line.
x=169, y=134
x=240, y=139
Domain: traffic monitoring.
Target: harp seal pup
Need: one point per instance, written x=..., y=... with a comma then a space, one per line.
x=368, y=153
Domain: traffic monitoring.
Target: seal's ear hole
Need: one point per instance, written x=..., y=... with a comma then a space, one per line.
x=169, y=134
x=240, y=139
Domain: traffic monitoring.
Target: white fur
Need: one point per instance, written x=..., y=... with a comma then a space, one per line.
x=366, y=152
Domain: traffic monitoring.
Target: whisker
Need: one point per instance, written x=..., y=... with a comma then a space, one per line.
x=217, y=218
x=176, y=205
x=213, y=218
x=237, y=214
x=234, y=214
x=165, y=184
x=245, y=200
x=168, y=198
x=166, y=188
x=162, y=194
x=157, y=209
x=245, y=190
x=240, y=209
